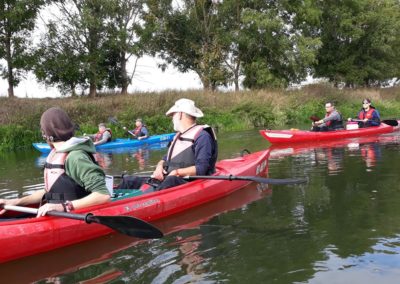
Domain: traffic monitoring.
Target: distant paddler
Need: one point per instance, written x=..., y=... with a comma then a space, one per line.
x=103, y=136
x=140, y=132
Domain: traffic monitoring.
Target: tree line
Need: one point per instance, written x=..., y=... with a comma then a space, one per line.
x=87, y=44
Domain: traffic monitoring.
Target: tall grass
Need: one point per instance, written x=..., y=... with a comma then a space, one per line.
x=228, y=111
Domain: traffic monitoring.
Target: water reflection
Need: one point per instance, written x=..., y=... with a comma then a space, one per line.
x=330, y=155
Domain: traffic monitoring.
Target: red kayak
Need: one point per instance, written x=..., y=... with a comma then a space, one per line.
x=295, y=135
x=29, y=236
x=63, y=261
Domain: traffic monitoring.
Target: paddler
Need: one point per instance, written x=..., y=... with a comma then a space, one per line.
x=103, y=136
x=141, y=131
x=72, y=178
x=193, y=151
x=368, y=115
x=332, y=121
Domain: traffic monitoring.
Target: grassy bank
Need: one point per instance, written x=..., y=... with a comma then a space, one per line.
x=19, y=118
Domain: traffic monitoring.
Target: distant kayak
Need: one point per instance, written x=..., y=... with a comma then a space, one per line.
x=295, y=135
x=117, y=143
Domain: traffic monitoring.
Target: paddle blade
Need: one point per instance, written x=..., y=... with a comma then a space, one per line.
x=314, y=118
x=391, y=122
x=127, y=225
x=113, y=120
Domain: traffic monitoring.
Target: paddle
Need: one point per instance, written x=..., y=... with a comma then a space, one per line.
x=250, y=178
x=314, y=118
x=115, y=121
x=127, y=225
x=391, y=122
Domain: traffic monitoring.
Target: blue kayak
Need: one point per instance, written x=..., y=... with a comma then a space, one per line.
x=117, y=143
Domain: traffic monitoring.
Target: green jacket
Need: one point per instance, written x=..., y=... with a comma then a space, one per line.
x=80, y=166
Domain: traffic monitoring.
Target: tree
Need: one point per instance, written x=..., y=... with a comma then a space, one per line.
x=264, y=41
x=17, y=21
x=58, y=63
x=125, y=29
x=361, y=42
x=279, y=45
x=73, y=51
x=186, y=37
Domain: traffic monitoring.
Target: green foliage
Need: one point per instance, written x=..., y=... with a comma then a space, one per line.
x=17, y=21
x=14, y=137
x=360, y=42
x=277, y=53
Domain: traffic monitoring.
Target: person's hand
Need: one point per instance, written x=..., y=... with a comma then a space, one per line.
x=159, y=172
x=365, y=119
x=49, y=207
x=7, y=202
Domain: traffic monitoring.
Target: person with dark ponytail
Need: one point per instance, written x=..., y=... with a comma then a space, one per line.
x=368, y=115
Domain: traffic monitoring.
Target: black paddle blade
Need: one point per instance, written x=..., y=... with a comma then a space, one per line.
x=391, y=122
x=127, y=225
x=274, y=180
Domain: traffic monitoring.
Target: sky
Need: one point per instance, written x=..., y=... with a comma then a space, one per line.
x=148, y=78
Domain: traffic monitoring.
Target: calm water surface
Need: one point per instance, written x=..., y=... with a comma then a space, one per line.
x=343, y=226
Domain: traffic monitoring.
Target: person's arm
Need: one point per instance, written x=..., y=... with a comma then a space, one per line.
x=33, y=198
x=376, y=119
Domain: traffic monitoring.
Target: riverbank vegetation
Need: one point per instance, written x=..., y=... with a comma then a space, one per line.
x=85, y=46
x=228, y=111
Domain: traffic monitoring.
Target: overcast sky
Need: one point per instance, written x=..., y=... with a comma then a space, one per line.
x=148, y=78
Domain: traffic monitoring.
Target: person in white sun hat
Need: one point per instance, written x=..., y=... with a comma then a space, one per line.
x=193, y=151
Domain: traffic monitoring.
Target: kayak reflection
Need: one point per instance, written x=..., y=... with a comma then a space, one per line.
x=330, y=155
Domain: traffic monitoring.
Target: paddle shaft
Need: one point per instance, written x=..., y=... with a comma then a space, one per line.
x=127, y=225
x=249, y=178
x=113, y=120
x=391, y=122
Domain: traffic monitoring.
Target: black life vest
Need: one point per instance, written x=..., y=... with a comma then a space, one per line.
x=58, y=185
x=181, y=152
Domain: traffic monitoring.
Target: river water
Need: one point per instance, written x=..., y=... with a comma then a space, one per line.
x=342, y=226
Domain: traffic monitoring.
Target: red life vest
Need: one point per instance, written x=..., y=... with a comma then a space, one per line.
x=368, y=154
x=334, y=124
x=58, y=185
x=99, y=135
x=363, y=114
x=138, y=131
x=180, y=153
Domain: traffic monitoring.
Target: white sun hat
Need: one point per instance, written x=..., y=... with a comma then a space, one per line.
x=186, y=106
